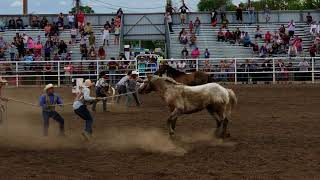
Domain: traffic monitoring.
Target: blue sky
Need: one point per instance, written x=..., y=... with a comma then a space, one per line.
x=55, y=6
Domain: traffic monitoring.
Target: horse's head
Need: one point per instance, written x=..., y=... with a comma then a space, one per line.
x=162, y=70
x=146, y=87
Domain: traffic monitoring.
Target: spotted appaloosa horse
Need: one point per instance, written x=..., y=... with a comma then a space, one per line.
x=192, y=79
x=183, y=99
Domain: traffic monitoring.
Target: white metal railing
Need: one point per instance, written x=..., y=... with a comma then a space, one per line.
x=233, y=70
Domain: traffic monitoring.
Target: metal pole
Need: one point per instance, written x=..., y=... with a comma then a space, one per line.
x=77, y=6
x=17, y=75
x=59, y=79
x=197, y=64
x=25, y=7
x=273, y=72
x=97, y=70
x=312, y=69
x=235, y=72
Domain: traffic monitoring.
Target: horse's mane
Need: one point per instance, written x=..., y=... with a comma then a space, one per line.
x=170, y=80
x=174, y=71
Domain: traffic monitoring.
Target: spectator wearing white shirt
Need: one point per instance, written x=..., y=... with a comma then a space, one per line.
x=181, y=66
x=169, y=21
x=291, y=28
x=172, y=64
x=313, y=29
x=70, y=18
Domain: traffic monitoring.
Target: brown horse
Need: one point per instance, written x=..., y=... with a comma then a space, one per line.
x=183, y=99
x=192, y=79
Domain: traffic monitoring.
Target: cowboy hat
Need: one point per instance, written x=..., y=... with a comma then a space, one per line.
x=88, y=83
x=48, y=86
x=135, y=73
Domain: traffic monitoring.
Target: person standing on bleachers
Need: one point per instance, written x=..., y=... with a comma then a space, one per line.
x=197, y=24
x=19, y=23
x=80, y=19
x=267, y=13
x=239, y=14
x=183, y=13
x=251, y=13
x=71, y=19
x=291, y=28
x=12, y=24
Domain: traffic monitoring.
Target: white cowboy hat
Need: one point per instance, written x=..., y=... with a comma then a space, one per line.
x=48, y=86
x=135, y=73
x=88, y=83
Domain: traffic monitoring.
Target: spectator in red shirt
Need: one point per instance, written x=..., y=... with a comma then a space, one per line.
x=267, y=37
x=102, y=53
x=313, y=50
x=80, y=19
x=228, y=35
x=221, y=35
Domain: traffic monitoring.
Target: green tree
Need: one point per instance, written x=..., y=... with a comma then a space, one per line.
x=209, y=5
x=85, y=9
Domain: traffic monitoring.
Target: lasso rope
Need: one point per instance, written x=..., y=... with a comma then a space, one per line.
x=64, y=104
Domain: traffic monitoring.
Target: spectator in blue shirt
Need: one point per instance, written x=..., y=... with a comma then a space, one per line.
x=48, y=102
x=247, y=40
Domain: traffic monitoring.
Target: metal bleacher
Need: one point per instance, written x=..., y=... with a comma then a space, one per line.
x=208, y=39
x=111, y=51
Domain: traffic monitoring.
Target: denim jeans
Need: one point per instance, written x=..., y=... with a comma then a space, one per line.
x=251, y=18
x=84, y=113
x=104, y=102
x=129, y=99
x=121, y=90
x=197, y=30
x=54, y=115
x=112, y=77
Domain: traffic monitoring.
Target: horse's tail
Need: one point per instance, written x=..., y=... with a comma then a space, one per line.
x=232, y=98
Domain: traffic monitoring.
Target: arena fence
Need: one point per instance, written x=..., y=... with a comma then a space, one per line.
x=229, y=70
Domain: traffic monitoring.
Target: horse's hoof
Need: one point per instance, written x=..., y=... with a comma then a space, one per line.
x=227, y=135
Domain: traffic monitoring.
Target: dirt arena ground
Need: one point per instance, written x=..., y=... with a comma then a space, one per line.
x=275, y=134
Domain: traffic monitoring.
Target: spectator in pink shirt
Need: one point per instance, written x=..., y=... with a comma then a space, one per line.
x=38, y=49
x=195, y=53
x=30, y=44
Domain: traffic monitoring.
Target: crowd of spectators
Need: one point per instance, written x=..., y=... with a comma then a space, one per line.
x=51, y=46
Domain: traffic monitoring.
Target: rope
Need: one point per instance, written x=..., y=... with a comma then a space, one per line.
x=65, y=104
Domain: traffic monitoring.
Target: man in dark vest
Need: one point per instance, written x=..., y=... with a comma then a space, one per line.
x=48, y=102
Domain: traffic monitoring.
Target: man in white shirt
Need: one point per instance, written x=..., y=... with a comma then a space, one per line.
x=172, y=64
x=291, y=28
x=71, y=20
x=181, y=66
x=313, y=29
x=80, y=107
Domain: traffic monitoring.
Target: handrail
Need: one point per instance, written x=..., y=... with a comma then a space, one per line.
x=121, y=44
x=168, y=38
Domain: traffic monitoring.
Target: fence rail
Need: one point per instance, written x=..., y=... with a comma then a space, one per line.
x=234, y=70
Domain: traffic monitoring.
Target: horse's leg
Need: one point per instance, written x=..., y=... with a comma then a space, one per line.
x=217, y=118
x=225, y=133
x=171, y=122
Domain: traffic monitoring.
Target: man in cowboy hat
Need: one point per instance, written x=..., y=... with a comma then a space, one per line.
x=48, y=102
x=101, y=87
x=128, y=84
x=2, y=106
x=80, y=107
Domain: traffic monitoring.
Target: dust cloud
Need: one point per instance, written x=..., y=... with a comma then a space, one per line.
x=28, y=136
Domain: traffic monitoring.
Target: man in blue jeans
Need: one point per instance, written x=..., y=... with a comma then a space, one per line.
x=48, y=102
x=80, y=107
